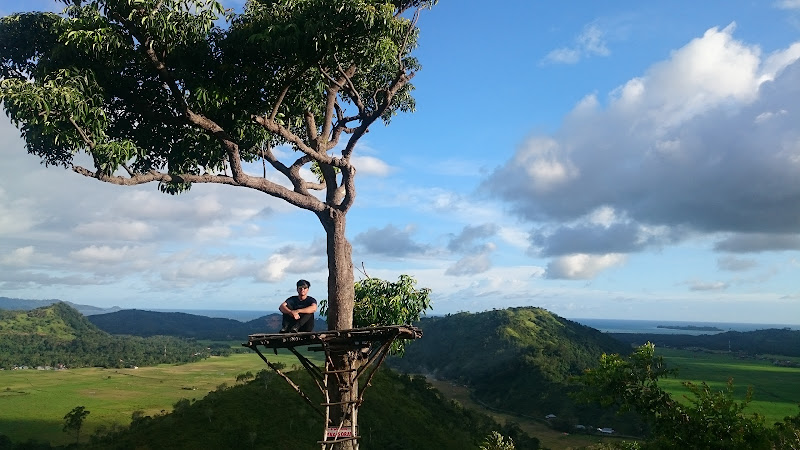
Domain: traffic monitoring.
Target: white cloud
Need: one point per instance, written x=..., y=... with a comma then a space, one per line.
x=788, y=4
x=213, y=233
x=19, y=257
x=582, y=266
x=590, y=42
x=293, y=259
x=135, y=230
x=701, y=143
x=103, y=254
x=473, y=263
x=16, y=215
x=197, y=269
x=369, y=165
x=546, y=164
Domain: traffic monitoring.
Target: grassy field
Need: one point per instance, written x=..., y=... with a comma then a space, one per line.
x=33, y=403
x=776, y=390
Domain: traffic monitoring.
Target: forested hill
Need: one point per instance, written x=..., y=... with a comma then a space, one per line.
x=60, y=336
x=517, y=359
x=759, y=342
x=137, y=322
x=150, y=323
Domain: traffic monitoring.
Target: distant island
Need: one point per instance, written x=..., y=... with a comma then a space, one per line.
x=689, y=328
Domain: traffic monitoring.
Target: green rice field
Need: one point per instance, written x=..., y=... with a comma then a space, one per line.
x=776, y=390
x=33, y=402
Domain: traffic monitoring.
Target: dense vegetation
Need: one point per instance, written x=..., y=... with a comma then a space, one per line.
x=770, y=342
x=59, y=336
x=399, y=412
x=517, y=360
x=710, y=419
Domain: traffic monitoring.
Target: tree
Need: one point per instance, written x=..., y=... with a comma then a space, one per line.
x=381, y=302
x=158, y=91
x=710, y=420
x=73, y=420
x=497, y=441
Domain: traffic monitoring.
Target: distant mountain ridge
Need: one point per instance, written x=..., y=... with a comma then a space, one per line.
x=136, y=322
x=19, y=304
x=145, y=323
x=772, y=341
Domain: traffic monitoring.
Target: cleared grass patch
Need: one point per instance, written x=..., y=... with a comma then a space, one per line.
x=776, y=390
x=33, y=402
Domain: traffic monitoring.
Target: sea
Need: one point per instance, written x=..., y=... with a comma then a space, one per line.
x=674, y=326
x=604, y=325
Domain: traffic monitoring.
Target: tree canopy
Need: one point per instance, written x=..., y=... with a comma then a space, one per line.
x=188, y=91
x=382, y=302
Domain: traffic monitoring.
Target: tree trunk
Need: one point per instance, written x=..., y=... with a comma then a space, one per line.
x=341, y=295
x=341, y=289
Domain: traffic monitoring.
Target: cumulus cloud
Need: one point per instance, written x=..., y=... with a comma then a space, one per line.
x=595, y=239
x=295, y=260
x=703, y=142
x=104, y=254
x=469, y=235
x=581, y=266
x=369, y=165
x=18, y=257
x=390, y=241
x=203, y=270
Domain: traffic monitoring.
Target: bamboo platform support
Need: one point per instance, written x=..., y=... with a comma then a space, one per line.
x=363, y=349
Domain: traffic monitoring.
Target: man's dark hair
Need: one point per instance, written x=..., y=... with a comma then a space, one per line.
x=303, y=283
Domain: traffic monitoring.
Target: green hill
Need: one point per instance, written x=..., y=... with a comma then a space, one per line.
x=58, y=322
x=518, y=360
x=60, y=336
x=18, y=304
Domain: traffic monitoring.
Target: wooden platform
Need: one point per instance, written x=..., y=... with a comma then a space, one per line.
x=351, y=337
x=349, y=354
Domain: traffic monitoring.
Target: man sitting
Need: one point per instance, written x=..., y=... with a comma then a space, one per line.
x=298, y=310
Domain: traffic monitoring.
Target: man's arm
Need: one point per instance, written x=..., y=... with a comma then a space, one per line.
x=308, y=309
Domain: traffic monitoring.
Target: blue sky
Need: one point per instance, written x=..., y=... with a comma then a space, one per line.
x=600, y=160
